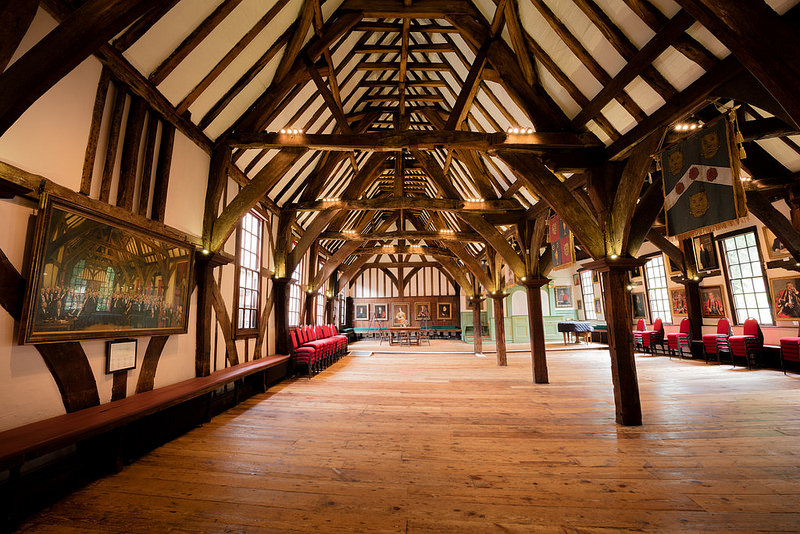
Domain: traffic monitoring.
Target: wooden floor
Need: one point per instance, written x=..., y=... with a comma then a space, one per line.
x=426, y=442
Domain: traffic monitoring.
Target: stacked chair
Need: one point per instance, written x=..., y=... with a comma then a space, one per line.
x=790, y=350
x=748, y=345
x=651, y=338
x=315, y=347
x=637, y=334
x=716, y=343
x=677, y=341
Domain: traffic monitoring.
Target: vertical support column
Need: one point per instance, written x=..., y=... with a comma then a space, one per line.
x=329, y=310
x=205, y=319
x=477, y=329
x=694, y=307
x=536, y=329
x=500, y=328
x=280, y=287
x=620, y=337
x=310, y=310
x=349, y=312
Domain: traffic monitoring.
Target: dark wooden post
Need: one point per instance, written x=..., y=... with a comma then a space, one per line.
x=620, y=337
x=477, y=329
x=329, y=310
x=310, y=310
x=694, y=307
x=500, y=328
x=280, y=287
x=536, y=328
x=205, y=320
x=349, y=312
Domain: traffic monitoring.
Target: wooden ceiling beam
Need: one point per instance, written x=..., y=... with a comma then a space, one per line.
x=409, y=203
x=367, y=26
x=421, y=9
x=470, y=237
x=404, y=249
x=15, y=19
x=417, y=139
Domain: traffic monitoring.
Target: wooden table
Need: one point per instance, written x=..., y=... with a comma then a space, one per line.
x=580, y=329
x=400, y=330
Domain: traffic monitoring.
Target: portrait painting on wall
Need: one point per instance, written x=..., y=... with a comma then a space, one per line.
x=444, y=310
x=775, y=248
x=380, y=312
x=598, y=305
x=638, y=305
x=94, y=277
x=576, y=279
x=636, y=272
x=595, y=277
x=563, y=296
x=400, y=314
x=786, y=297
x=711, y=302
x=362, y=312
x=422, y=311
x=677, y=298
x=705, y=256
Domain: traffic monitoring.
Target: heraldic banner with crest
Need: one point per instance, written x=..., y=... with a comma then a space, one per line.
x=702, y=189
x=561, y=241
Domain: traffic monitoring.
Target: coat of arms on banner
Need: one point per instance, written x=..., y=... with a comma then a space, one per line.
x=562, y=243
x=702, y=189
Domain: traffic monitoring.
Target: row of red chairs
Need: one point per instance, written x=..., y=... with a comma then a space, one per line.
x=746, y=346
x=316, y=347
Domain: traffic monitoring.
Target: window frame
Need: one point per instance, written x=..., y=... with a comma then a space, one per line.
x=245, y=333
x=295, y=293
x=588, y=304
x=720, y=248
x=646, y=280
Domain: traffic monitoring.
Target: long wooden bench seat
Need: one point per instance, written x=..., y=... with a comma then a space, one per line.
x=24, y=443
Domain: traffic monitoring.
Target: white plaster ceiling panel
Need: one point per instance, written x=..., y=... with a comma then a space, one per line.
x=329, y=7
x=260, y=165
x=285, y=115
x=588, y=35
x=599, y=132
x=165, y=35
x=701, y=34
x=679, y=70
x=346, y=47
x=781, y=6
x=627, y=21
x=618, y=116
x=781, y=152
x=294, y=174
x=644, y=95
x=670, y=7
x=558, y=93
x=486, y=7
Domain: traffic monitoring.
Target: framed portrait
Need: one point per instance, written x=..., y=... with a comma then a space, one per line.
x=362, y=312
x=677, y=298
x=705, y=255
x=673, y=269
x=638, y=305
x=400, y=314
x=786, y=297
x=380, y=312
x=422, y=311
x=444, y=310
x=636, y=272
x=120, y=355
x=94, y=277
x=579, y=305
x=576, y=279
x=595, y=277
x=775, y=248
x=711, y=302
x=598, y=305
x=563, y=296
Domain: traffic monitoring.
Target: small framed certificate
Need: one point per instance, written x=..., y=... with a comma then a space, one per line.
x=120, y=355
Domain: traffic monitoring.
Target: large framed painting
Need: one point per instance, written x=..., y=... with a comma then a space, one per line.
x=711, y=302
x=400, y=314
x=444, y=310
x=362, y=312
x=786, y=297
x=638, y=305
x=775, y=248
x=94, y=277
x=705, y=256
x=677, y=298
x=563, y=296
x=422, y=311
x=379, y=311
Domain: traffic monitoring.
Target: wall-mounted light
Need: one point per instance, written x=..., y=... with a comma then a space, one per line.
x=206, y=251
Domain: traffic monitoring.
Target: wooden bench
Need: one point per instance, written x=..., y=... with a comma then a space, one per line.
x=24, y=443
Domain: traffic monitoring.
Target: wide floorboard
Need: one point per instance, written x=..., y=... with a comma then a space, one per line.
x=449, y=442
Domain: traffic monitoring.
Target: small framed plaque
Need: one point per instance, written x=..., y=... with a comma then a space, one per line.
x=120, y=355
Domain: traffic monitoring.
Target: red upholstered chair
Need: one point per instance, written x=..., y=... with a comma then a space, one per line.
x=301, y=355
x=790, y=350
x=651, y=338
x=677, y=341
x=637, y=334
x=718, y=342
x=749, y=344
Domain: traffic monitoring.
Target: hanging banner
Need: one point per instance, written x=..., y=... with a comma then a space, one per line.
x=562, y=243
x=702, y=190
